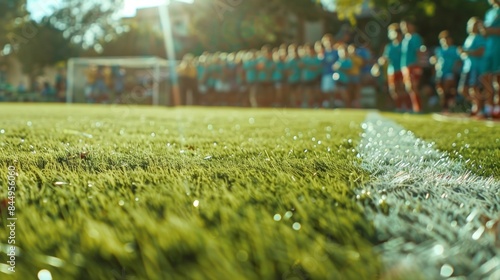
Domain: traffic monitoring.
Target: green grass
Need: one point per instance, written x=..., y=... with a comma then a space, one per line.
x=477, y=143
x=121, y=205
x=117, y=192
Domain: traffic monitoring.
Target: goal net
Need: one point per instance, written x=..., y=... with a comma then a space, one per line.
x=125, y=80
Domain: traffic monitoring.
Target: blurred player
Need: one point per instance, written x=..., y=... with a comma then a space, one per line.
x=472, y=53
x=328, y=59
x=311, y=64
x=278, y=76
x=341, y=77
x=491, y=78
x=265, y=67
x=412, y=72
x=392, y=58
x=445, y=62
x=293, y=75
x=250, y=67
x=354, y=84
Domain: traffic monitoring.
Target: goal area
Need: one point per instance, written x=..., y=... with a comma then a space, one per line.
x=119, y=80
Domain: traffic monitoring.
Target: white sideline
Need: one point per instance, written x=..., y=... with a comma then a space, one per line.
x=433, y=206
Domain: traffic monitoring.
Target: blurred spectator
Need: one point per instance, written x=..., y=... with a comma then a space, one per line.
x=60, y=85
x=188, y=81
x=472, y=54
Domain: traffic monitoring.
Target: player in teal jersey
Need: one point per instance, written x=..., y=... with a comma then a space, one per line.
x=472, y=56
x=491, y=77
x=411, y=49
x=250, y=67
x=265, y=68
x=278, y=76
x=293, y=73
x=445, y=61
x=310, y=67
x=392, y=59
x=341, y=67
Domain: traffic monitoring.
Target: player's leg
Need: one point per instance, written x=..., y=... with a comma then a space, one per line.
x=412, y=83
x=496, y=97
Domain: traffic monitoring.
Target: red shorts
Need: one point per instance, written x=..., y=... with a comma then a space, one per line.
x=395, y=78
x=412, y=74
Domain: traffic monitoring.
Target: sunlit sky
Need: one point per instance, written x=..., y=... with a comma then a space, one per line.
x=41, y=8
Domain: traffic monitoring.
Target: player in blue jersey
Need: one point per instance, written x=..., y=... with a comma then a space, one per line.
x=392, y=59
x=472, y=56
x=278, y=76
x=310, y=66
x=491, y=78
x=265, y=68
x=341, y=77
x=293, y=74
x=328, y=59
x=411, y=49
x=250, y=68
x=445, y=61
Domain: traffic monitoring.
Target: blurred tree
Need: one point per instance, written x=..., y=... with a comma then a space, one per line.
x=241, y=24
x=86, y=22
x=139, y=40
x=12, y=15
x=47, y=48
x=430, y=16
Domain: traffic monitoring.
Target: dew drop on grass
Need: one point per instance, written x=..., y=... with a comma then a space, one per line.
x=296, y=226
x=288, y=215
x=479, y=232
x=446, y=270
x=129, y=247
x=251, y=120
x=121, y=202
x=29, y=123
x=438, y=249
x=210, y=127
x=60, y=183
x=208, y=158
x=2, y=131
x=196, y=203
x=153, y=134
x=242, y=256
x=277, y=217
x=136, y=199
x=44, y=274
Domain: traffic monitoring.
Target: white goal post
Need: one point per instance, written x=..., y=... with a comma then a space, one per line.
x=141, y=80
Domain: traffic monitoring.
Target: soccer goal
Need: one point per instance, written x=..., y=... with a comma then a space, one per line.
x=126, y=80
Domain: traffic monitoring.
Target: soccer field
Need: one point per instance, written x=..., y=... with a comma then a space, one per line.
x=131, y=192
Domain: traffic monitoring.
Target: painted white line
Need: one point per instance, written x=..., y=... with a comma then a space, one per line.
x=427, y=209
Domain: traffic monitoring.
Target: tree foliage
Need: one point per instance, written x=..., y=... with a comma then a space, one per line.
x=12, y=14
x=139, y=40
x=86, y=22
x=430, y=16
x=236, y=24
x=47, y=47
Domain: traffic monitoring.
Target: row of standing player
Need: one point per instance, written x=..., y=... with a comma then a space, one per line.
x=291, y=75
x=476, y=63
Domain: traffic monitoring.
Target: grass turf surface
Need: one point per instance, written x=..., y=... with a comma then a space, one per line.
x=153, y=193
x=477, y=143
